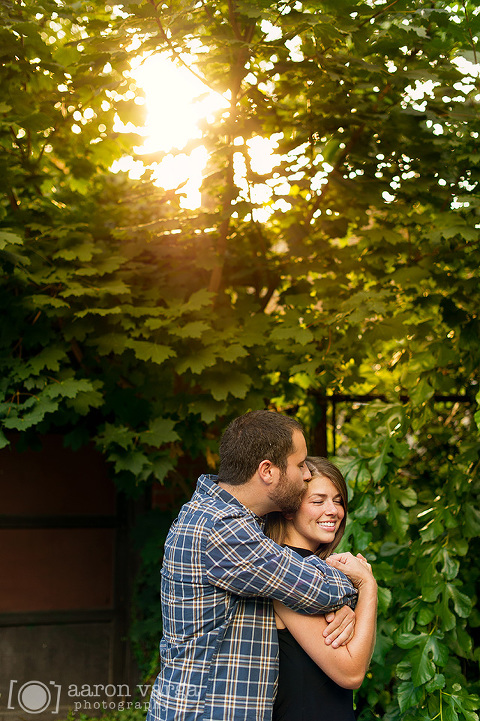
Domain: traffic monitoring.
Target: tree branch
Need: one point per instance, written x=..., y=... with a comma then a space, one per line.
x=175, y=52
x=470, y=32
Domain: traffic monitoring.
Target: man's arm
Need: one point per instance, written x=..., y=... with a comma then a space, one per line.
x=239, y=558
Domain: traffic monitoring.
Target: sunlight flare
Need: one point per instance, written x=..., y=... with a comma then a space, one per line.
x=177, y=101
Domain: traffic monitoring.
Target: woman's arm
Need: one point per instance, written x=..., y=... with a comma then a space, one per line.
x=346, y=665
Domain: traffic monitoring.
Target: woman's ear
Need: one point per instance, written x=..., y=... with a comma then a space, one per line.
x=288, y=516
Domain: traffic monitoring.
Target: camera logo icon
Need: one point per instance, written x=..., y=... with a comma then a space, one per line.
x=34, y=696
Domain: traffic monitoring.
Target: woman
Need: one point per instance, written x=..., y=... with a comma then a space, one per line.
x=316, y=679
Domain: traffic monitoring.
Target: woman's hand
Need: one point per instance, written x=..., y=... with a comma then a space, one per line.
x=357, y=568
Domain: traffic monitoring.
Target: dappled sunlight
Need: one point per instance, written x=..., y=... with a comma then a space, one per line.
x=185, y=172
x=176, y=102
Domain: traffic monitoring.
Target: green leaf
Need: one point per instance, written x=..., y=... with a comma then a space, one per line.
x=27, y=420
x=389, y=549
x=443, y=610
x=68, y=388
x=464, y=231
x=49, y=358
x=121, y=435
x=384, y=599
x=449, y=712
x=3, y=440
x=84, y=401
x=198, y=300
x=161, y=467
x=406, y=496
x=208, y=409
x=477, y=412
x=82, y=251
x=233, y=352
x=302, y=336
x=408, y=695
x=438, y=649
x=107, y=288
x=359, y=535
x=404, y=670
x=160, y=431
x=422, y=393
x=410, y=640
x=366, y=511
x=45, y=301
x=423, y=668
x=147, y=351
x=450, y=566
x=461, y=602
x=8, y=238
x=194, y=329
x=111, y=343
x=102, y=312
x=135, y=462
x=425, y=616
x=67, y=56
x=471, y=521
x=221, y=385
x=436, y=683
x=204, y=358
x=398, y=518
x=379, y=465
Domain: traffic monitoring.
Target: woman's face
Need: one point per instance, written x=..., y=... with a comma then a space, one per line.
x=319, y=516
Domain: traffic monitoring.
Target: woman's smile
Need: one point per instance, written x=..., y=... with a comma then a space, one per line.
x=318, y=517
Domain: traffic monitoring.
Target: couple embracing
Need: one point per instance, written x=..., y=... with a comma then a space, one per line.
x=257, y=616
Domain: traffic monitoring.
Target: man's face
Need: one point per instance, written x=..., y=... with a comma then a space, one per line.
x=288, y=491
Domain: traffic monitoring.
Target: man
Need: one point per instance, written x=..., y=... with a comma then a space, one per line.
x=219, y=647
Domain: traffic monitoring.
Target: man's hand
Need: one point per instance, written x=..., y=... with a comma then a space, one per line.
x=357, y=568
x=341, y=627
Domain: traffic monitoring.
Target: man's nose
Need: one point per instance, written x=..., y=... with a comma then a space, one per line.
x=306, y=474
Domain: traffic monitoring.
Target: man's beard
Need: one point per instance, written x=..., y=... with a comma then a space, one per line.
x=285, y=496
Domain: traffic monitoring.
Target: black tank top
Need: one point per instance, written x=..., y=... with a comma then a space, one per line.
x=305, y=692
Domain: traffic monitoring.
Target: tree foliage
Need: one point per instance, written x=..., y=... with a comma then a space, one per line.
x=350, y=266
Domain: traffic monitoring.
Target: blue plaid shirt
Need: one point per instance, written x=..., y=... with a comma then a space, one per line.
x=219, y=652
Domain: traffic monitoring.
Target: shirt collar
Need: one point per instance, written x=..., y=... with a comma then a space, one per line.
x=208, y=484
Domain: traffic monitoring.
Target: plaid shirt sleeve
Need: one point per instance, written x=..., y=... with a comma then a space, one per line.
x=240, y=559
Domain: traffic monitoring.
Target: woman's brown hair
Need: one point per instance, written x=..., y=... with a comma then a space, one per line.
x=276, y=523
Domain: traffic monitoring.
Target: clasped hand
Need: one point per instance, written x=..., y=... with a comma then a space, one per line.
x=341, y=623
